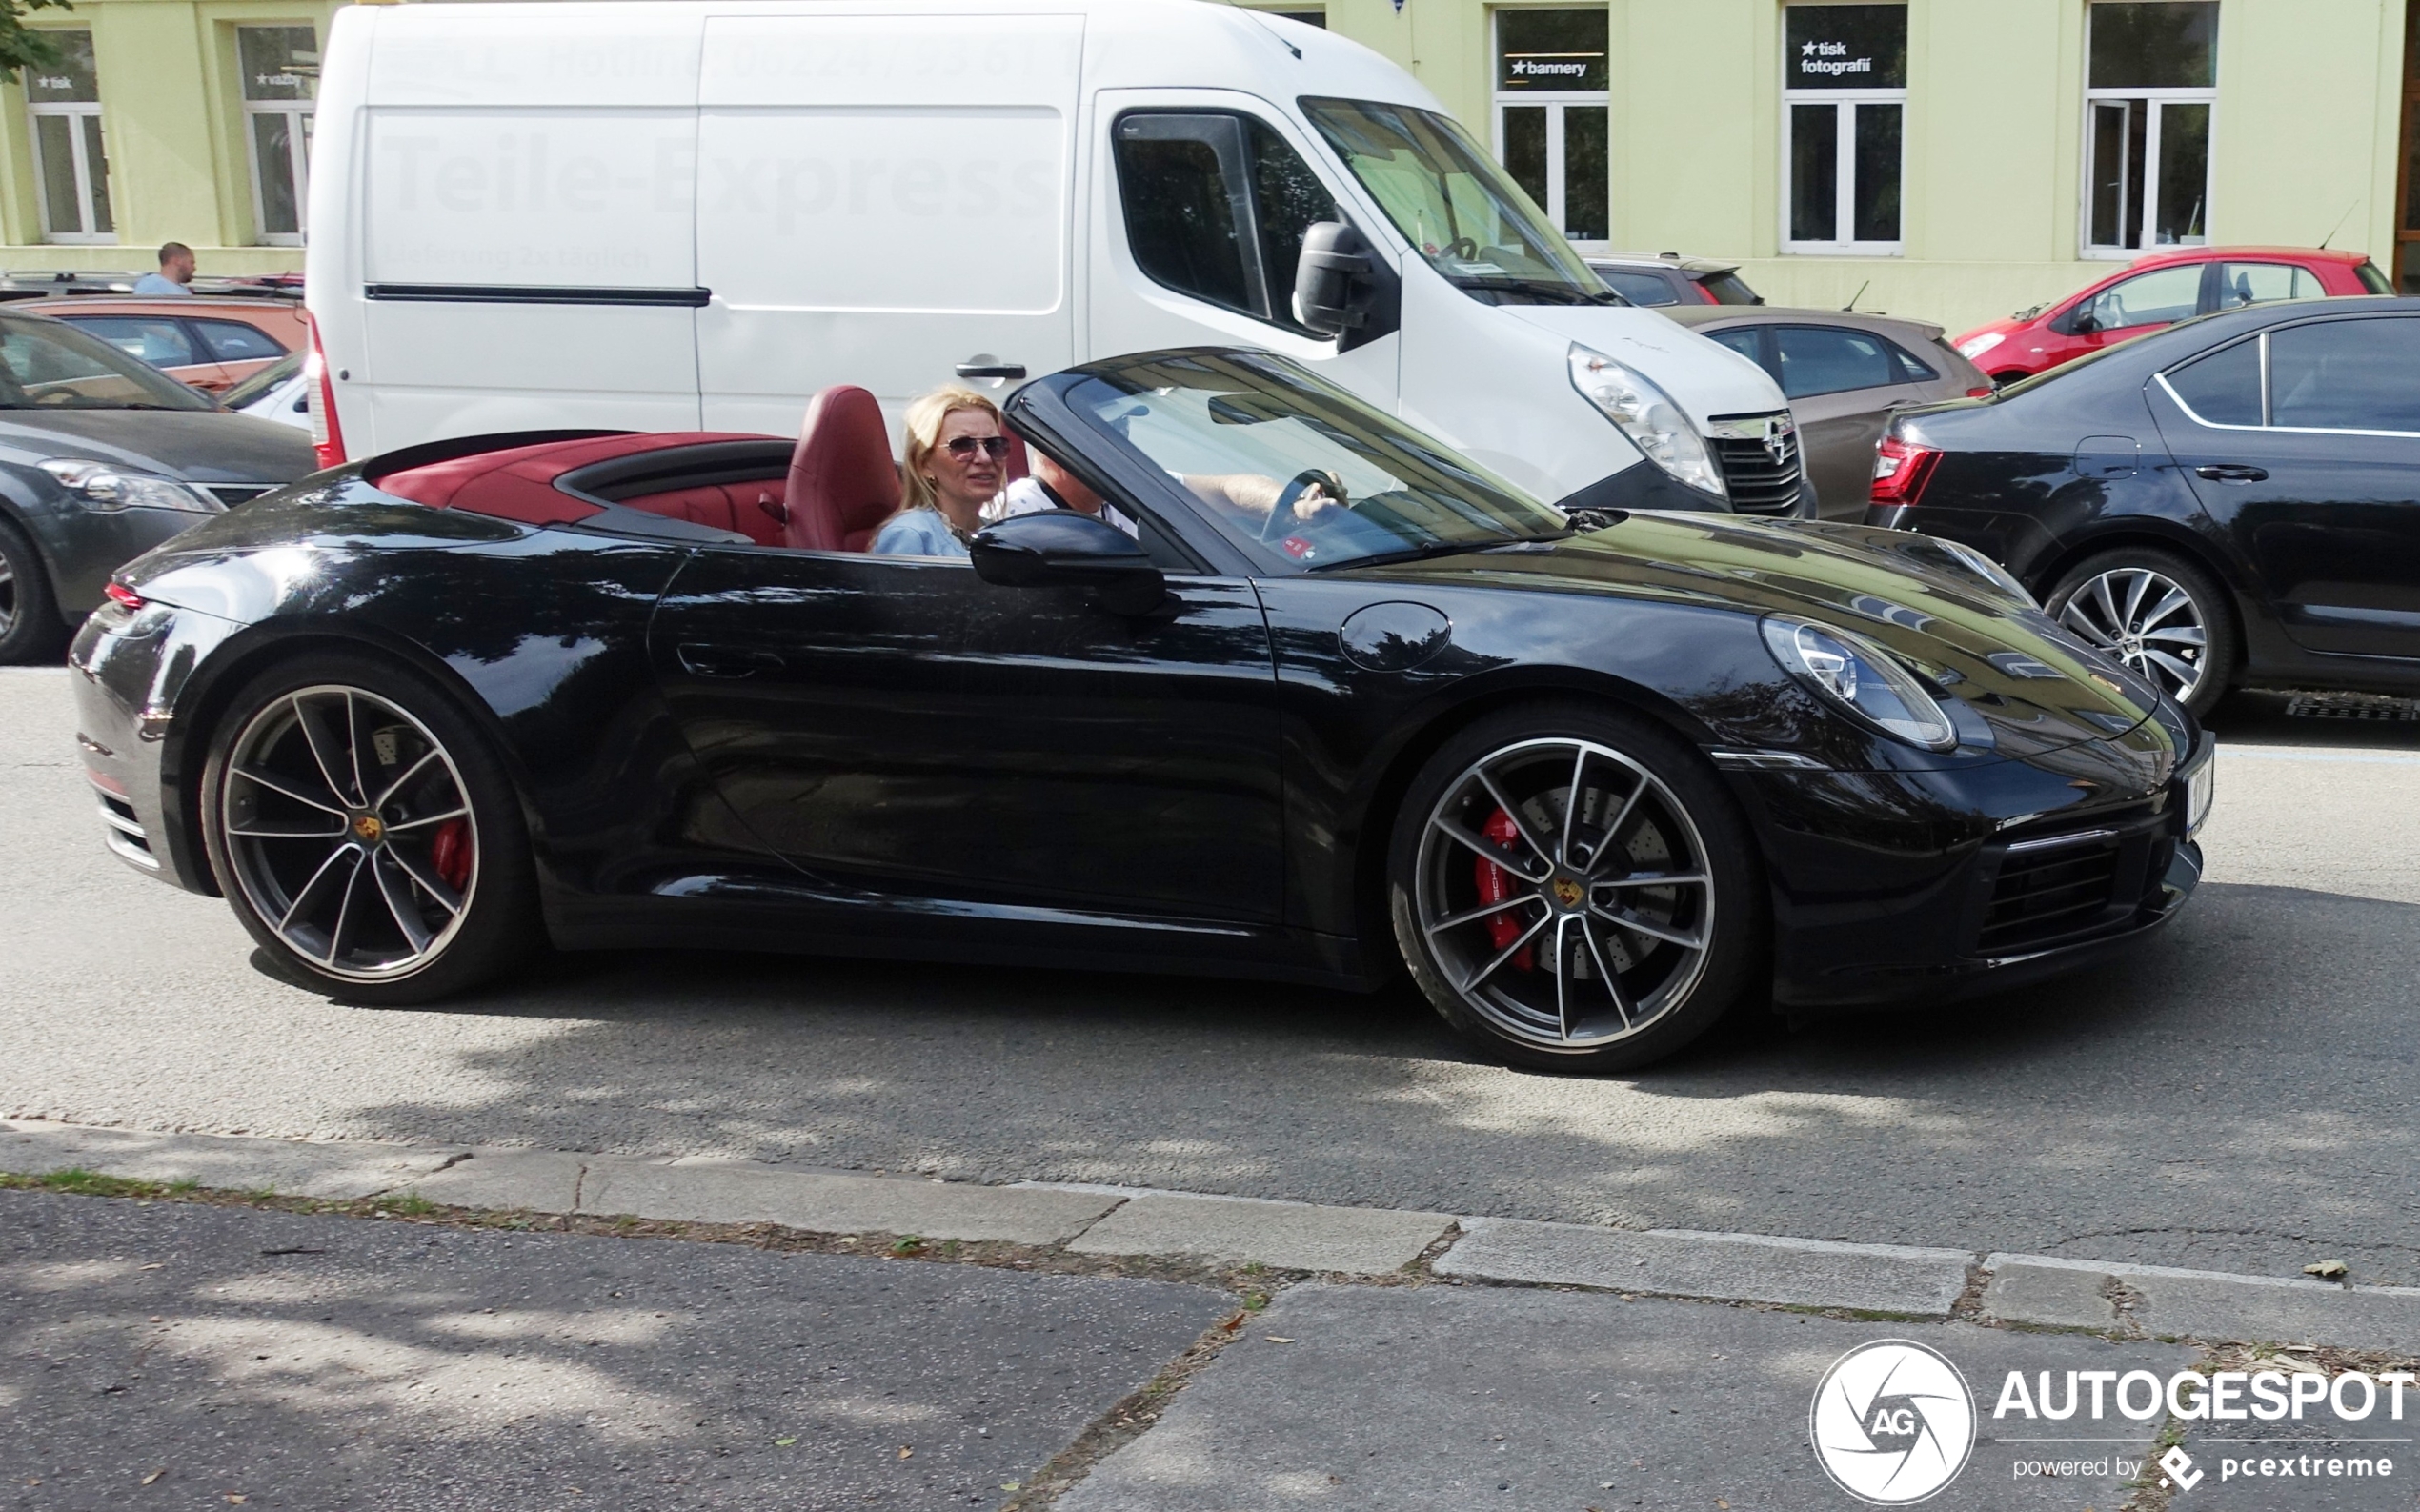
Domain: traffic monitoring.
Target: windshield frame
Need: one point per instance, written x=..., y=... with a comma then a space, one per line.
x=1559, y=275
x=158, y=390
x=1222, y=541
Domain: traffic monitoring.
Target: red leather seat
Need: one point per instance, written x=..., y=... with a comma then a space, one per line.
x=843, y=481
x=1019, y=465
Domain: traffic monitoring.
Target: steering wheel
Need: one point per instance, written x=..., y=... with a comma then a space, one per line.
x=1281, y=513
x=1463, y=248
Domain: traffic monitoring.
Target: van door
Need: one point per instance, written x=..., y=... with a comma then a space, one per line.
x=884, y=200
x=527, y=222
x=1201, y=200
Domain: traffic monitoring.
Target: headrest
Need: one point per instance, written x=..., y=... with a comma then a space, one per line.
x=843, y=481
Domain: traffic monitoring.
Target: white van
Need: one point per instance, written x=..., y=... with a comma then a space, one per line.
x=692, y=214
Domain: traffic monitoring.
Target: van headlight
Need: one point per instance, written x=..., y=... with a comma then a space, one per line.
x=108, y=487
x=1646, y=414
x=1861, y=680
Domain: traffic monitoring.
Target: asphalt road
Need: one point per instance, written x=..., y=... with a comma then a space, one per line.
x=2236, y=1096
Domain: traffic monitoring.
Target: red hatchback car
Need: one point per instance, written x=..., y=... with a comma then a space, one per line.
x=2159, y=290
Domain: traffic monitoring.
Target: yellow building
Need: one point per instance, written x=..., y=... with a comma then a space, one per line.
x=164, y=120
x=1955, y=159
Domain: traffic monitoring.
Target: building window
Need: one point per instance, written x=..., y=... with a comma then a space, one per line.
x=2151, y=76
x=281, y=76
x=1553, y=114
x=1843, y=102
x=71, y=172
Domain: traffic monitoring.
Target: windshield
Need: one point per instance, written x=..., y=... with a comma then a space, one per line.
x=260, y=384
x=46, y=364
x=1450, y=200
x=1304, y=471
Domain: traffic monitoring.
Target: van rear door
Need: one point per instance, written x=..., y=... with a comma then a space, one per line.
x=526, y=212
x=882, y=200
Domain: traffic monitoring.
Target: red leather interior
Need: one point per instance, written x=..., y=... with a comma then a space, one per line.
x=752, y=509
x=519, y=484
x=843, y=481
x=1018, y=465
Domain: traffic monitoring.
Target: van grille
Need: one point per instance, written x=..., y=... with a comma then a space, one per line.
x=2042, y=894
x=1762, y=475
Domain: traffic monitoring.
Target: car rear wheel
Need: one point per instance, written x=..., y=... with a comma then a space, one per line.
x=366, y=838
x=1571, y=889
x=2162, y=616
x=30, y=629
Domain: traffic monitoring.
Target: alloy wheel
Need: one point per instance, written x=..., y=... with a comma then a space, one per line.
x=2146, y=619
x=350, y=832
x=1564, y=894
x=7, y=596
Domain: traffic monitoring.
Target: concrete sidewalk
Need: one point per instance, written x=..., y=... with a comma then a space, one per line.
x=2037, y=1290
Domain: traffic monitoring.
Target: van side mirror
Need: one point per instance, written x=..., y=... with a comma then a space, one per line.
x=1341, y=287
x=1065, y=549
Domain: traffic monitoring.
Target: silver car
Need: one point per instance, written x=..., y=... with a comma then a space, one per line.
x=1844, y=375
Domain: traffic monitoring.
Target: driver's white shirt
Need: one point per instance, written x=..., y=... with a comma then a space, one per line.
x=1026, y=496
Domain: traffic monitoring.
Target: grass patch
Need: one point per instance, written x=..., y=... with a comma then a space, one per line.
x=410, y=1204
x=83, y=1183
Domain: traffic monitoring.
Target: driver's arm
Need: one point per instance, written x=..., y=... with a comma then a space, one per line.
x=1254, y=494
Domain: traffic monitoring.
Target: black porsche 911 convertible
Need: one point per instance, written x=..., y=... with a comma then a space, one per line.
x=1592, y=778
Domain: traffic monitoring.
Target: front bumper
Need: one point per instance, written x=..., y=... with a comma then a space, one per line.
x=2034, y=892
x=130, y=673
x=86, y=546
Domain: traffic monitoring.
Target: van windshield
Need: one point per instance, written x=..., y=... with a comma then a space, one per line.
x=1450, y=200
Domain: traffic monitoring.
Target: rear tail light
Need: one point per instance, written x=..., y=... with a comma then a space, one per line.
x=1984, y=393
x=123, y=596
x=1901, y=471
x=327, y=432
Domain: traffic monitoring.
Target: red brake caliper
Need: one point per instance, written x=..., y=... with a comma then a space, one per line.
x=450, y=853
x=1495, y=885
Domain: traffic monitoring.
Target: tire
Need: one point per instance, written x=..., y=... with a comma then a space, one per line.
x=418, y=891
x=1472, y=898
x=2162, y=614
x=30, y=629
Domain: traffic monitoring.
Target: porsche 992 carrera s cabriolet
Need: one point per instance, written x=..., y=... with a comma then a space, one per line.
x=1592, y=778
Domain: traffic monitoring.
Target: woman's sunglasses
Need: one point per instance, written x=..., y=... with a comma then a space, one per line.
x=962, y=448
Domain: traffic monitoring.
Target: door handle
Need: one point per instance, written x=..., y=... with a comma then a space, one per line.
x=2232, y=472
x=985, y=367
x=726, y=661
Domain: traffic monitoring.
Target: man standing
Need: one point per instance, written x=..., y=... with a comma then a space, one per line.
x=176, y=278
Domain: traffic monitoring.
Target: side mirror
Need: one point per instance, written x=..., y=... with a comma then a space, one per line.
x=2080, y=323
x=1064, y=549
x=1343, y=287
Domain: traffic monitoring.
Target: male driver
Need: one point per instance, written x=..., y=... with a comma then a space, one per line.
x=176, y=278
x=1052, y=487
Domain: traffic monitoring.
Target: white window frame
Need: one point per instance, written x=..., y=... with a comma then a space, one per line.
x=1843, y=171
x=81, y=235
x=1557, y=102
x=299, y=115
x=2159, y=99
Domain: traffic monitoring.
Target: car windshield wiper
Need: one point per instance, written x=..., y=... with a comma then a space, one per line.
x=1429, y=549
x=1543, y=289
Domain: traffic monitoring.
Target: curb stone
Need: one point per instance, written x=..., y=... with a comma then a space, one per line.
x=2039, y=1290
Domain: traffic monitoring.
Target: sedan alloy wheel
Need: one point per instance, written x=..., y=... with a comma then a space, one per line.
x=2146, y=620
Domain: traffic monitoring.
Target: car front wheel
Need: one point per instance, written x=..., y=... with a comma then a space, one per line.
x=365, y=836
x=30, y=629
x=1571, y=889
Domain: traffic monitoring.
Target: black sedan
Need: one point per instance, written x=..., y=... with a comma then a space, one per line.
x=102, y=458
x=2231, y=502
x=1591, y=778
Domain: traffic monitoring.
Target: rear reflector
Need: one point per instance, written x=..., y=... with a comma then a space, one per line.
x=1901, y=471
x=327, y=432
x=1984, y=393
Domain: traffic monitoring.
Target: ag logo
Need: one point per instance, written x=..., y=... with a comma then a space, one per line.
x=1892, y=1422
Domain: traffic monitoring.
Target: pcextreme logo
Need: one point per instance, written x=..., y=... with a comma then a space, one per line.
x=1892, y=1422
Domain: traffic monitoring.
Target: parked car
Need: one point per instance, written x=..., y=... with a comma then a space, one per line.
x=1844, y=375
x=1319, y=202
x=212, y=344
x=1669, y=278
x=1591, y=780
x=101, y=458
x=280, y=391
x=2232, y=501
x=2159, y=290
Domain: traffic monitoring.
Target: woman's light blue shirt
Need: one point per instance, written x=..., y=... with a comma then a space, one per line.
x=918, y=533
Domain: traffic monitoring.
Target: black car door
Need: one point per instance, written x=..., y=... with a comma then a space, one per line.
x=2302, y=443
x=899, y=725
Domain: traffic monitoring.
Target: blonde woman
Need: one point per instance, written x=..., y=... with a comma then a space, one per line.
x=956, y=459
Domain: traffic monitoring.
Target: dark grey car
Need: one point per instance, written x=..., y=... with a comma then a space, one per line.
x=102, y=458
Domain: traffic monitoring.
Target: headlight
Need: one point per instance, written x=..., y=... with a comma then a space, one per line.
x=1861, y=680
x=108, y=488
x=1647, y=415
x=1974, y=346
x=1989, y=571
